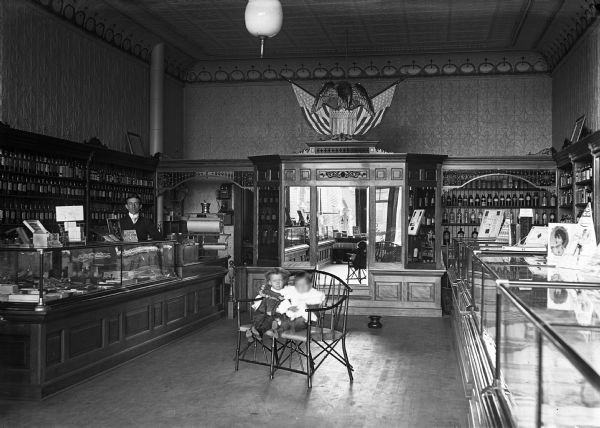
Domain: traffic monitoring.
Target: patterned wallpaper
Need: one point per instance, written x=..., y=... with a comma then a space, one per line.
x=478, y=116
x=576, y=88
x=62, y=82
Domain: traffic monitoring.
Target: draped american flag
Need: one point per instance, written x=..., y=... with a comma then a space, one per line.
x=361, y=122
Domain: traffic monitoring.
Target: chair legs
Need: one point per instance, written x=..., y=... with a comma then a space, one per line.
x=354, y=273
x=348, y=365
x=273, y=356
x=237, y=350
x=309, y=365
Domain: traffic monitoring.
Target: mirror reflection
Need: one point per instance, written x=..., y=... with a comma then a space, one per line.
x=388, y=228
x=297, y=223
x=342, y=214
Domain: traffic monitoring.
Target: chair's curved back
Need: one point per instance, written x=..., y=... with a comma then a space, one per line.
x=337, y=296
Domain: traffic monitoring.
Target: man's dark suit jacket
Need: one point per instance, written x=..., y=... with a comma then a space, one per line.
x=144, y=228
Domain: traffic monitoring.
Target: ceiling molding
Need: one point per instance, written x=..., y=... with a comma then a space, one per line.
x=560, y=37
x=368, y=68
x=78, y=14
x=135, y=27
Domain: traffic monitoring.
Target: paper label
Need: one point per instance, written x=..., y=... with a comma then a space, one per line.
x=130, y=235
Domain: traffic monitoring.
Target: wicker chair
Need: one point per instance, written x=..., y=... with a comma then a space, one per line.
x=323, y=338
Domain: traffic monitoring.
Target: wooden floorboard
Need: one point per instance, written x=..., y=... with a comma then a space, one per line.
x=406, y=375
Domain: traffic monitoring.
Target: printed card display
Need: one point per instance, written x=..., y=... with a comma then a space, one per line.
x=415, y=222
x=491, y=223
x=130, y=235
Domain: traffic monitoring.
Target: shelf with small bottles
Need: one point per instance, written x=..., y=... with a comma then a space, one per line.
x=267, y=210
x=422, y=249
x=39, y=173
x=576, y=177
x=463, y=205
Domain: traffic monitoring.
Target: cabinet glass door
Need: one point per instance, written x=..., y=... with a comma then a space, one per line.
x=388, y=224
x=296, y=238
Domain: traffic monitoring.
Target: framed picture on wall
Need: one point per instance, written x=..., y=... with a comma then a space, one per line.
x=577, y=129
x=136, y=147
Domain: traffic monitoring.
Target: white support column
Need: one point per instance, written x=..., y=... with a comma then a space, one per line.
x=157, y=81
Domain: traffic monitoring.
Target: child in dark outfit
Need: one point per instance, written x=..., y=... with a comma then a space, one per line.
x=272, y=293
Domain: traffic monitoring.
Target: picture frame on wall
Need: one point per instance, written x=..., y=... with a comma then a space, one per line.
x=136, y=146
x=577, y=128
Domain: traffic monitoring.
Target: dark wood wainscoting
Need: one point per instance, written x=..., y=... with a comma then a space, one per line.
x=41, y=353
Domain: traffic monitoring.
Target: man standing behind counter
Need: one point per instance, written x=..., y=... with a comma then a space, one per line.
x=143, y=227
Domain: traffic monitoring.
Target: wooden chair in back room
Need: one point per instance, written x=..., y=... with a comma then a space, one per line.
x=357, y=263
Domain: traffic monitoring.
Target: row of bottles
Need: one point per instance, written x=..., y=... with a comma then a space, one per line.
x=269, y=236
x=100, y=215
x=566, y=198
x=531, y=199
x=565, y=178
x=474, y=217
x=584, y=173
x=268, y=196
x=120, y=176
x=14, y=212
x=421, y=197
x=447, y=235
x=498, y=179
x=27, y=163
x=583, y=195
x=17, y=185
x=267, y=215
x=422, y=247
x=110, y=193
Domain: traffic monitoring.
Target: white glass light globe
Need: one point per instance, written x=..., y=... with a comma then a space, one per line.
x=263, y=17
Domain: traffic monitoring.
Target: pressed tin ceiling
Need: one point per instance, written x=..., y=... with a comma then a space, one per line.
x=214, y=30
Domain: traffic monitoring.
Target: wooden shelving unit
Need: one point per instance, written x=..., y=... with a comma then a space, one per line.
x=579, y=178
x=39, y=172
x=473, y=185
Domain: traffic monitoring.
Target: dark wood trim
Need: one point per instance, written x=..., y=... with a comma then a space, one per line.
x=186, y=165
x=503, y=162
x=72, y=342
x=39, y=143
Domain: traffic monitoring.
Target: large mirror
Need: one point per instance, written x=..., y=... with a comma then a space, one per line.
x=342, y=219
x=388, y=226
x=297, y=224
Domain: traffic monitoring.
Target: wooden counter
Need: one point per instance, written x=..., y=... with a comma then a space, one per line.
x=44, y=352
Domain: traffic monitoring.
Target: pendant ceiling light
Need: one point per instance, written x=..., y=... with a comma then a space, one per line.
x=263, y=19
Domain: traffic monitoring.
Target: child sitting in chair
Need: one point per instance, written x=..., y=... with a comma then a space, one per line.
x=291, y=312
x=272, y=293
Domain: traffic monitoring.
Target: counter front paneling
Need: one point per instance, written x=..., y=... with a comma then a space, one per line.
x=46, y=348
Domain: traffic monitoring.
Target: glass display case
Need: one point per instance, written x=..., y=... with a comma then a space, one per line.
x=529, y=341
x=42, y=275
x=295, y=235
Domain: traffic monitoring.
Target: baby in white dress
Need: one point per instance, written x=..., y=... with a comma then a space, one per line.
x=291, y=313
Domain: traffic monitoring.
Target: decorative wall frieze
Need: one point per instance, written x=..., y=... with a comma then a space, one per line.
x=369, y=68
x=170, y=180
x=567, y=27
x=89, y=17
x=342, y=174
